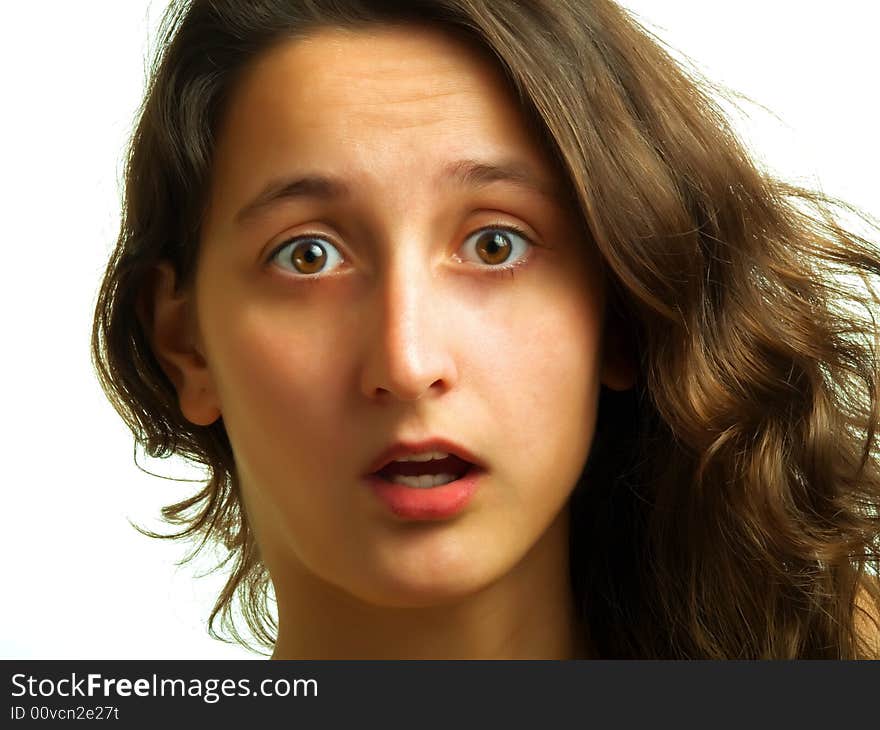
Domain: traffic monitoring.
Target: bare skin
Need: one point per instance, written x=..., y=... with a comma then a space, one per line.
x=405, y=333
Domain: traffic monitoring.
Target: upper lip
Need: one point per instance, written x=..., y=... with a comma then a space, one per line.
x=408, y=448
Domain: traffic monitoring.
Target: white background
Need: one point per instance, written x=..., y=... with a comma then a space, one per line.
x=78, y=581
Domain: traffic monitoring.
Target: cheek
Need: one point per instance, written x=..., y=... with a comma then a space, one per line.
x=280, y=380
x=546, y=389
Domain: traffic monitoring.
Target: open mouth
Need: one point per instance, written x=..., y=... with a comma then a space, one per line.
x=430, y=490
x=426, y=474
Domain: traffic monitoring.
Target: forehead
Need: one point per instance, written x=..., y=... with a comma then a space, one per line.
x=372, y=99
x=408, y=72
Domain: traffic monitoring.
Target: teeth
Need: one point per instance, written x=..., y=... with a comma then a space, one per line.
x=427, y=456
x=425, y=481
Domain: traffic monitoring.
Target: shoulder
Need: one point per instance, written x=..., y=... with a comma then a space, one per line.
x=867, y=615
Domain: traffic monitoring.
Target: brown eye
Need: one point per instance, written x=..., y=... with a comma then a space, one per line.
x=497, y=245
x=306, y=256
x=493, y=247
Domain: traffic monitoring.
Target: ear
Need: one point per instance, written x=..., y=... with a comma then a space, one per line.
x=618, y=356
x=168, y=319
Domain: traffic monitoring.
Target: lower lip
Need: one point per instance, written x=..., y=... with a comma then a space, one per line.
x=433, y=503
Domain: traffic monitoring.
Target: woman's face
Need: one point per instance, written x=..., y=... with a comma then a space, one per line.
x=341, y=315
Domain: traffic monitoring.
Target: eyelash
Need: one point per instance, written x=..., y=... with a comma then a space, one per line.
x=505, y=270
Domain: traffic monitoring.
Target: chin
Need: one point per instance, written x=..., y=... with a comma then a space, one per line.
x=425, y=585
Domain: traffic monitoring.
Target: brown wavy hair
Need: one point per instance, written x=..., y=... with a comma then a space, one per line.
x=730, y=504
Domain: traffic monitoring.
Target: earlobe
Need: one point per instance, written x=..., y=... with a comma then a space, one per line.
x=167, y=318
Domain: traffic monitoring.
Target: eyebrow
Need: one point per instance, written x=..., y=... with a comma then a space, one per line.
x=464, y=173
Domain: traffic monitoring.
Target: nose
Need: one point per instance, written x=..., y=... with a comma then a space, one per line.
x=408, y=333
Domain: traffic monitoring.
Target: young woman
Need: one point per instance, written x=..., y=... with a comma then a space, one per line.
x=494, y=341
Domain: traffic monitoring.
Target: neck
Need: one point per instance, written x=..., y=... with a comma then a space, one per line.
x=527, y=613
